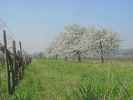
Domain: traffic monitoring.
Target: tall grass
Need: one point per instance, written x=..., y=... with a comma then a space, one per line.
x=92, y=92
x=59, y=80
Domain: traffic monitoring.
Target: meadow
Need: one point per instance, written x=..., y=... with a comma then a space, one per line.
x=66, y=80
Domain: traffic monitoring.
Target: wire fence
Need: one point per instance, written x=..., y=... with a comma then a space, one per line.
x=12, y=61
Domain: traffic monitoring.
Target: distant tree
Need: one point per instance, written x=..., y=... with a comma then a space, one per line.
x=77, y=41
x=68, y=43
x=105, y=42
x=72, y=39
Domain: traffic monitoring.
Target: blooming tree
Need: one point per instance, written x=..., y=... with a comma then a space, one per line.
x=77, y=41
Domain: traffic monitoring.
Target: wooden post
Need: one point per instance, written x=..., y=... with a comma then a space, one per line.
x=21, y=61
x=14, y=63
x=7, y=64
x=20, y=46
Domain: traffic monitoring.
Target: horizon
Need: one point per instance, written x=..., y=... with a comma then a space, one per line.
x=37, y=23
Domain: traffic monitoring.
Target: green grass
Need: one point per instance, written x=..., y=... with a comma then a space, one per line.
x=3, y=83
x=60, y=80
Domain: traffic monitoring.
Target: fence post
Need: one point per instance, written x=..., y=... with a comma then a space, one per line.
x=14, y=63
x=7, y=64
x=21, y=60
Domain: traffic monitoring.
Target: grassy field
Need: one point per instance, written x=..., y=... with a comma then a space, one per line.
x=60, y=80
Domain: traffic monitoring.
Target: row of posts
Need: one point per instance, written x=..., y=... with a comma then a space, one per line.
x=15, y=63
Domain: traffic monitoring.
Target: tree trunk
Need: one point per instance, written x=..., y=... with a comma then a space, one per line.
x=79, y=56
x=101, y=52
x=56, y=57
x=66, y=58
x=102, y=59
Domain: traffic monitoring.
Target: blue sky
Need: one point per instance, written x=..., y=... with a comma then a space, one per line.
x=38, y=22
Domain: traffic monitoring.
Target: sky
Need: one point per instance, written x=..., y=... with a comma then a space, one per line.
x=37, y=22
